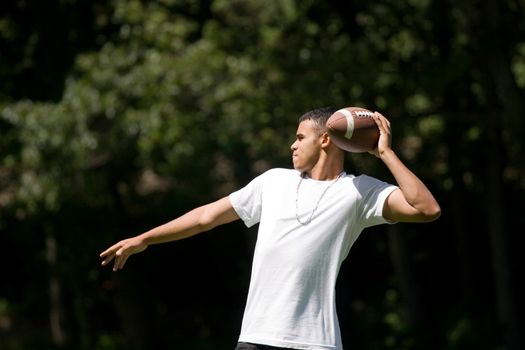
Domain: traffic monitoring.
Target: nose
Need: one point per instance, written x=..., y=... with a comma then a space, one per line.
x=293, y=147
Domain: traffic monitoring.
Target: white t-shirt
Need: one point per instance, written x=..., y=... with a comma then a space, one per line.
x=291, y=300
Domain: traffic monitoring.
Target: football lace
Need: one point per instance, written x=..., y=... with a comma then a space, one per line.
x=363, y=114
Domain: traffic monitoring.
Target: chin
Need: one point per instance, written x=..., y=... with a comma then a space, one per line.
x=299, y=168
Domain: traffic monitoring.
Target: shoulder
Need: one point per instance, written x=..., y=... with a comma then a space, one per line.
x=278, y=173
x=364, y=180
x=273, y=176
x=366, y=184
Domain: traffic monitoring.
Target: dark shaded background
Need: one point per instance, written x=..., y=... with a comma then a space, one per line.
x=118, y=116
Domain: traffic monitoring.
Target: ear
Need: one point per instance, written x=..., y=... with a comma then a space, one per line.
x=325, y=140
x=327, y=144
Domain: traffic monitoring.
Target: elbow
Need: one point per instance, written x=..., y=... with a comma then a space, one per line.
x=432, y=213
x=206, y=219
x=204, y=225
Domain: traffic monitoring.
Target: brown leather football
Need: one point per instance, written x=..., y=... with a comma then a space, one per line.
x=353, y=129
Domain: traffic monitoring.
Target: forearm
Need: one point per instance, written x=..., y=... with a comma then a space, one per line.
x=414, y=190
x=182, y=227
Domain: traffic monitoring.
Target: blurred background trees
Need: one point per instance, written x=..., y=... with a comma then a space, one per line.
x=117, y=116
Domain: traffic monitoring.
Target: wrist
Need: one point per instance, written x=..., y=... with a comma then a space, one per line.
x=145, y=239
x=387, y=154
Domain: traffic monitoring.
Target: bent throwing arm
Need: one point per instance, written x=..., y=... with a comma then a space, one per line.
x=413, y=201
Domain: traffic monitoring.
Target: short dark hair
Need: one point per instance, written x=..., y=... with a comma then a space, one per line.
x=319, y=116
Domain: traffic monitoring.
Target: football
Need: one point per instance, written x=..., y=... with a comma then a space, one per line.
x=353, y=129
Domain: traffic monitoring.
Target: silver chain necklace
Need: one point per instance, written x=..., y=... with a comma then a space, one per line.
x=304, y=223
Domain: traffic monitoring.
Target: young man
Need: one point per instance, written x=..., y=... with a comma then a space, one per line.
x=308, y=219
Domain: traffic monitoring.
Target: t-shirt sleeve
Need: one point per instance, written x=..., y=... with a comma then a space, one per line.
x=247, y=201
x=373, y=193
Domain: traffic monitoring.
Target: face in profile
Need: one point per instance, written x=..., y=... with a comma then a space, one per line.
x=307, y=146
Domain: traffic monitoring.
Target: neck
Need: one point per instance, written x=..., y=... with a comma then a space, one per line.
x=327, y=168
x=323, y=175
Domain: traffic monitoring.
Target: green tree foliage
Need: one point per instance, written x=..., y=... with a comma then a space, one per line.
x=116, y=117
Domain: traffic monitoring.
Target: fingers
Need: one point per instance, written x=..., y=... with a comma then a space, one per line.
x=116, y=253
x=109, y=254
x=111, y=250
x=382, y=123
x=107, y=260
x=385, y=134
x=120, y=252
x=120, y=261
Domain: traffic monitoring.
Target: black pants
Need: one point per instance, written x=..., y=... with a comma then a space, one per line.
x=250, y=346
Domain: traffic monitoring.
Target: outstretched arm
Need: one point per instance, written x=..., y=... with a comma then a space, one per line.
x=198, y=220
x=412, y=202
